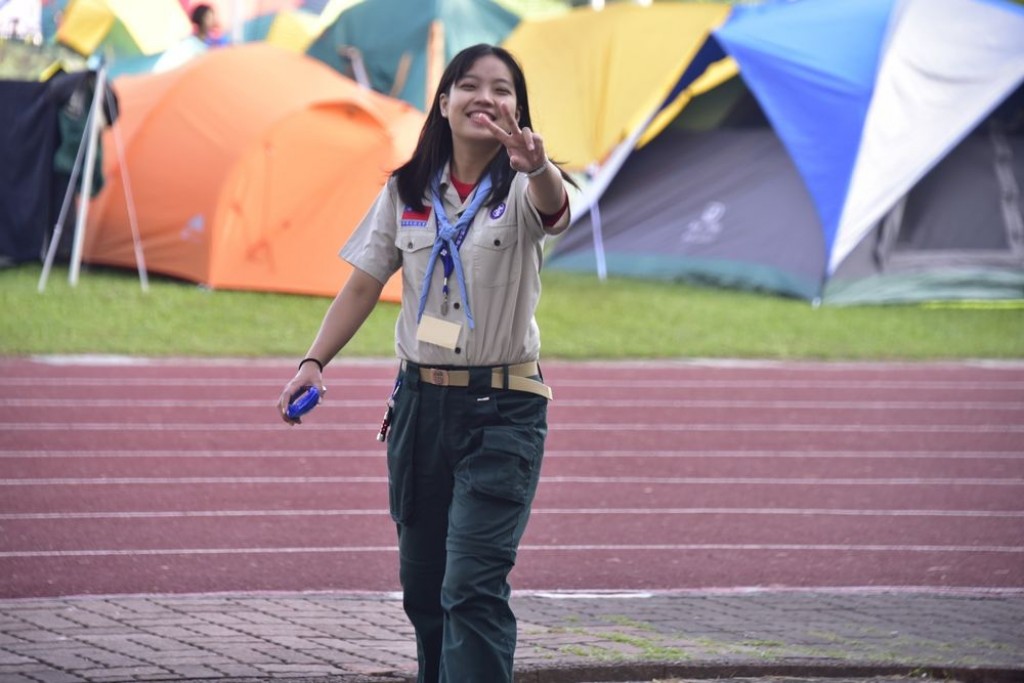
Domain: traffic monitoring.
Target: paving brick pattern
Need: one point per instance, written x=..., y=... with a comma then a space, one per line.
x=563, y=637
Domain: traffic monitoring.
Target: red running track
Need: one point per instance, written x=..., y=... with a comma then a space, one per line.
x=122, y=476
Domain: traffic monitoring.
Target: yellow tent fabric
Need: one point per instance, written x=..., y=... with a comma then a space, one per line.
x=85, y=24
x=596, y=76
x=294, y=30
x=153, y=25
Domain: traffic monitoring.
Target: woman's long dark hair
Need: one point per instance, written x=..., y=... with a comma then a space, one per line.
x=434, y=148
x=199, y=13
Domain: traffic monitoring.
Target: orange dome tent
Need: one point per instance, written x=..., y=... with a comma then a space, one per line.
x=249, y=168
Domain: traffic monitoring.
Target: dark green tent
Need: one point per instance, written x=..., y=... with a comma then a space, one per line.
x=393, y=38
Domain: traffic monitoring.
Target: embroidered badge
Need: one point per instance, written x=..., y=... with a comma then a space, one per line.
x=498, y=211
x=411, y=218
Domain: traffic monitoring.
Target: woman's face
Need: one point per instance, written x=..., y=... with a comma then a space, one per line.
x=481, y=92
x=209, y=21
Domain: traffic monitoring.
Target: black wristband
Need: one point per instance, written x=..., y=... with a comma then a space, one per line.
x=312, y=360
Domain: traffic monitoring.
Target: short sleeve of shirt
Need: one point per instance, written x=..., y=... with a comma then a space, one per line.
x=371, y=247
x=530, y=217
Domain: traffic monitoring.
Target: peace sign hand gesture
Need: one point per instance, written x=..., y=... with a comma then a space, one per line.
x=525, y=148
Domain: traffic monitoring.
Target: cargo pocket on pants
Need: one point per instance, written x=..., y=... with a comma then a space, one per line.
x=401, y=445
x=504, y=467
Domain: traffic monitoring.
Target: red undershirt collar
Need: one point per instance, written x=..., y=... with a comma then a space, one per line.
x=464, y=189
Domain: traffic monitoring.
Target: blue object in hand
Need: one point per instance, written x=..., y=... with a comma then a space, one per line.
x=303, y=402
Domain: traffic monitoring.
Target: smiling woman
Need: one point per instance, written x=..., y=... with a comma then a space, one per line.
x=465, y=219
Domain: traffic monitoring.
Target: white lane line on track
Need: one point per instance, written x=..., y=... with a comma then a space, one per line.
x=788, y=546
x=194, y=382
x=81, y=403
x=87, y=360
x=576, y=427
x=603, y=481
x=823, y=404
x=548, y=454
x=547, y=593
x=885, y=455
x=188, y=481
x=609, y=383
x=138, y=552
x=106, y=359
x=187, y=514
x=621, y=594
x=799, y=512
x=808, y=512
x=839, y=481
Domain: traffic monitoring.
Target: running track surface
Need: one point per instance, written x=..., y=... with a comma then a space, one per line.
x=170, y=476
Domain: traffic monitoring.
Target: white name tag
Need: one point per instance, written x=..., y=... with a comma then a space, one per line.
x=440, y=332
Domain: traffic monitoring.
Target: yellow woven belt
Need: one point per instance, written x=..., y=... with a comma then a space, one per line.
x=519, y=378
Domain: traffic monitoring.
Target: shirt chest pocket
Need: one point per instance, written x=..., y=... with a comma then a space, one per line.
x=415, y=245
x=496, y=260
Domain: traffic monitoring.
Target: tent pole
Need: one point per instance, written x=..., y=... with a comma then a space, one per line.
x=237, y=22
x=93, y=133
x=435, y=61
x=69, y=198
x=355, y=56
x=595, y=224
x=58, y=230
x=140, y=260
x=1010, y=206
x=601, y=176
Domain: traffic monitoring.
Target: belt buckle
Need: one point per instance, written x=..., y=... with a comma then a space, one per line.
x=439, y=377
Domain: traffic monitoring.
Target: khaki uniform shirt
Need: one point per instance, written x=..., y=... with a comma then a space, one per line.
x=501, y=259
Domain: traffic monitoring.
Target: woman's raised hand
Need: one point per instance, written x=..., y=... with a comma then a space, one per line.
x=525, y=147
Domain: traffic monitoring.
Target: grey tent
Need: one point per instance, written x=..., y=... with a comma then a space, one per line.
x=715, y=199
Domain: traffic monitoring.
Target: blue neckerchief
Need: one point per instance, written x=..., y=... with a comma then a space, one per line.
x=449, y=239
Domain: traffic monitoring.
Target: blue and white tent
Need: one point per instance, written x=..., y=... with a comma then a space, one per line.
x=902, y=118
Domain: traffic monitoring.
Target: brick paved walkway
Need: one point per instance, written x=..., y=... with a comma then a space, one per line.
x=563, y=637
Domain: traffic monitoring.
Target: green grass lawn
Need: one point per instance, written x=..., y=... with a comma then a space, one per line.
x=580, y=317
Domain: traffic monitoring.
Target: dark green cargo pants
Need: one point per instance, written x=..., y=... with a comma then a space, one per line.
x=463, y=465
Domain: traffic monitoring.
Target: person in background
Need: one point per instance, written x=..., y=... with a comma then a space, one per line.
x=205, y=26
x=465, y=220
